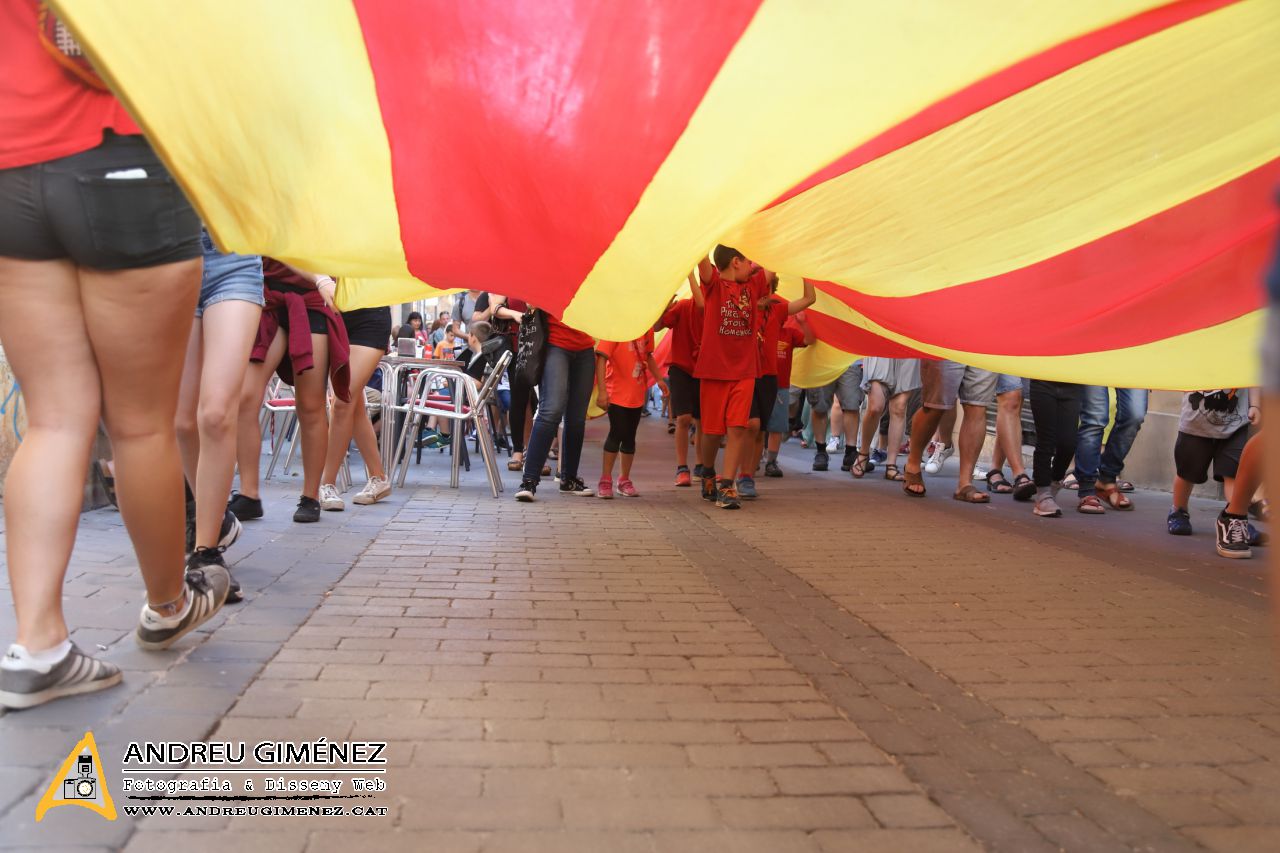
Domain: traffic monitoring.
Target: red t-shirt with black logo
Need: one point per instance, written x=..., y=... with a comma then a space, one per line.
x=729, y=349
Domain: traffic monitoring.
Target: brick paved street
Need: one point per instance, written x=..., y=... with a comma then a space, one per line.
x=835, y=667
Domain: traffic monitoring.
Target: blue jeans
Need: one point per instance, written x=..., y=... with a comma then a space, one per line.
x=565, y=393
x=1093, y=463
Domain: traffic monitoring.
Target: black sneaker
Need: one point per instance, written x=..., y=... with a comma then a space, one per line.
x=207, y=589
x=203, y=557
x=227, y=534
x=575, y=486
x=75, y=673
x=244, y=507
x=526, y=491
x=850, y=454
x=308, y=510
x=820, y=460
x=697, y=471
x=1232, y=534
x=771, y=469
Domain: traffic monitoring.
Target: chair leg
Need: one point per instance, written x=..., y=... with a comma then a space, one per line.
x=293, y=445
x=489, y=454
x=277, y=445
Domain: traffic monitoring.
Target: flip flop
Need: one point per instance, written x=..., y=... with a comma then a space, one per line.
x=998, y=483
x=1124, y=485
x=514, y=465
x=913, y=478
x=970, y=495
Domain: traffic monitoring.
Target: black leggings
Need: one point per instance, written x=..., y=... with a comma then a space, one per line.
x=522, y=396
x=623, y=423
x=1056, y=409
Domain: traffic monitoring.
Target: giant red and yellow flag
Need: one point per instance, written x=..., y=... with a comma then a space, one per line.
x=1071, y=190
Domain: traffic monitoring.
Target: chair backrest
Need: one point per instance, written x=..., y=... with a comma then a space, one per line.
x=491, y=381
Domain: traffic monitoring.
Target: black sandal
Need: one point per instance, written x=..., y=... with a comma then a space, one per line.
x=1000, y=486
x=862, y=466
x=671, y=427
x=1024, y=488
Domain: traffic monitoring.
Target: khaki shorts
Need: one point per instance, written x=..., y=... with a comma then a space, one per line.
x=944, y=382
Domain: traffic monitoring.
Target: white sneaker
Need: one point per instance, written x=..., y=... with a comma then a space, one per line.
x=375, y=490
x=940, y=456
x=833, y=444
x=329, y=498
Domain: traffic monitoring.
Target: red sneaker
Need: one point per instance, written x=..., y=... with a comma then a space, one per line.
x=604, y=489
x=683, y=477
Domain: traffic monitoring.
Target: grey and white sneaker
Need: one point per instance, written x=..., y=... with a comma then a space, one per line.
x=330, y=500
x=375, y=490
x=1046, y=507
x=206, y=590
x=76, y=673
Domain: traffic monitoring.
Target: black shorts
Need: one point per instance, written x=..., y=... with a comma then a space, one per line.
x=1193, y=453
x=764, y=398
x=317, y=322
x=684, y=393
x=70, y=209
x=368, y=327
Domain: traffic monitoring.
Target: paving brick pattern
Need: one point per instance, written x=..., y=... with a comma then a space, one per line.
x=835, y=667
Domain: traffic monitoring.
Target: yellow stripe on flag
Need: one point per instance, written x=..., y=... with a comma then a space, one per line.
x=1100, y=147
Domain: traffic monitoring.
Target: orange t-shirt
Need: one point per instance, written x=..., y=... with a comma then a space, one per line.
x=625, y=373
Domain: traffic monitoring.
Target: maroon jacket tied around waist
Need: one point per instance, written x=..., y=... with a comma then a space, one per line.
x=299, y=357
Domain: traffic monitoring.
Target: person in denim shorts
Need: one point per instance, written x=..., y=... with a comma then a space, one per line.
x=1010, y=392
x=217, y=357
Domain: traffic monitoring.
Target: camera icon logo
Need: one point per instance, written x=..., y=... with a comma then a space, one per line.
x=84, y=785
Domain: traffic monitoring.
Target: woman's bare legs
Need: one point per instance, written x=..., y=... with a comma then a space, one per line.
x=61, y=398
x=313, y=417
x=141, y=317
x=209, y=450
x=248, y=430
x=346, y=417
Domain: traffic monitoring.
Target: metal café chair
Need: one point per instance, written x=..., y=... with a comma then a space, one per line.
x=467, y=407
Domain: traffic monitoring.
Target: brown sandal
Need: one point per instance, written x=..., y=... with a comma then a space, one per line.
x=862, y=466
x=1110, y=493
x=913, y=478
x=892, y=472
x=970, y=495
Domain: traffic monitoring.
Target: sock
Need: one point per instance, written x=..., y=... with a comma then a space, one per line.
x=19, y=658
x=1226, y=514
x=680, y=468
x=773, y=456
x=155, y=620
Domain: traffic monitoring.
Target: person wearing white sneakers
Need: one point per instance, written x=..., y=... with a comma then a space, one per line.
x=369, y=331
x=623, y=371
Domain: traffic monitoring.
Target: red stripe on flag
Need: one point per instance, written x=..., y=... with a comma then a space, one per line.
x=1190, y=267
x=855, y=339
x=996, y=87
x=525, y=133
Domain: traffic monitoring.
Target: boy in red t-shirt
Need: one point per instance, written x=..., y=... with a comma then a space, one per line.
x=774, y=311
x=727, y=364
x=684, y=319
x=622, y=383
